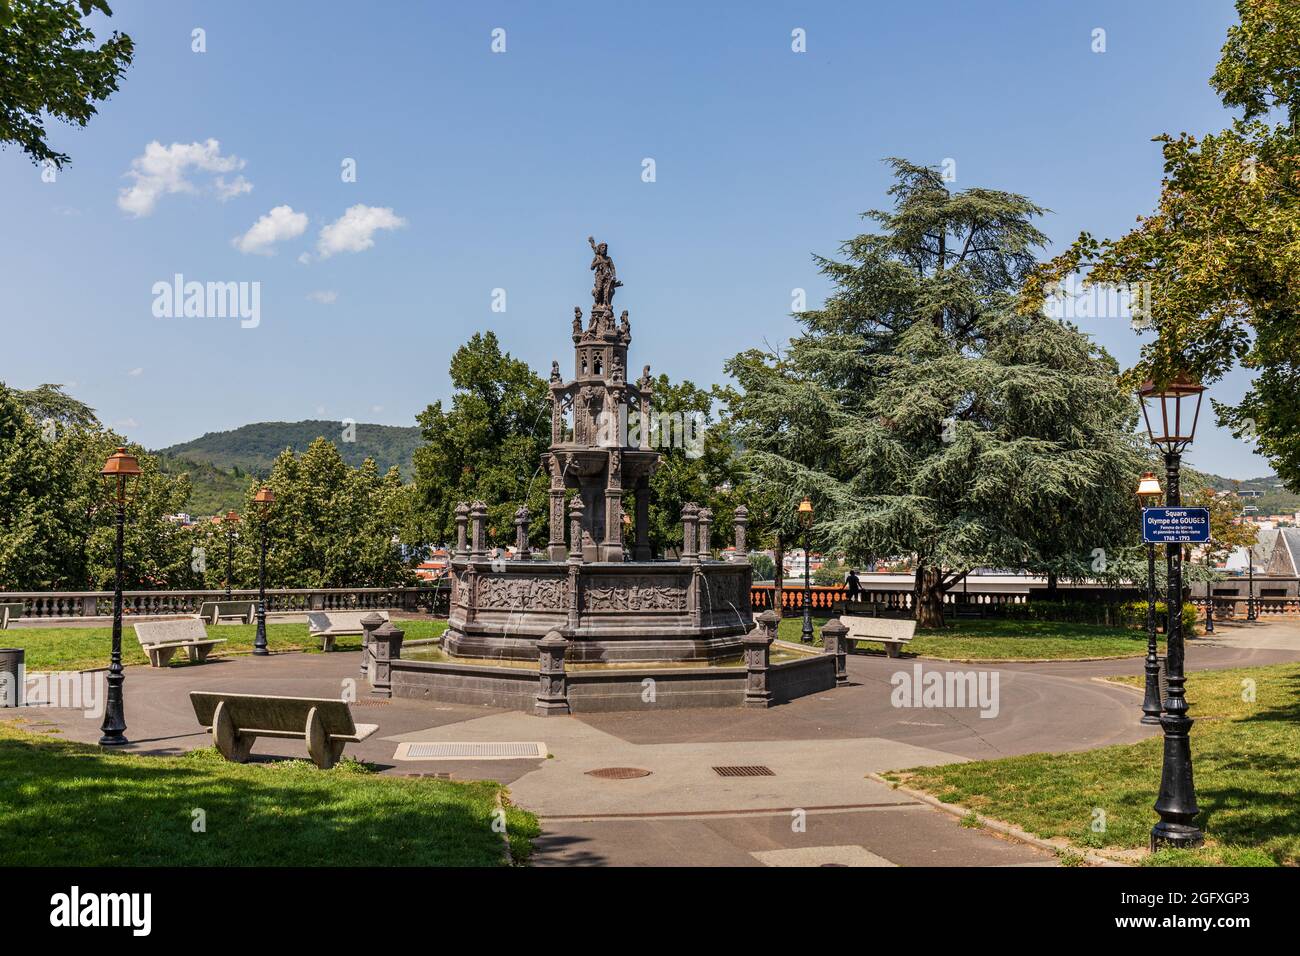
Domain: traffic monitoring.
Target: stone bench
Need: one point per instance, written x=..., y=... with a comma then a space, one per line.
x=891, y=632
x=237, y=720
x=327, y=625
x=162, y=639
x=9, y=612
x=228, y=612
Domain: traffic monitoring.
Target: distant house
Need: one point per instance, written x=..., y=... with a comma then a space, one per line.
x=434, y=567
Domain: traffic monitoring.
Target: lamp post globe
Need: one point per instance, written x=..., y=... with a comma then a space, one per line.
x=262, y=501
x=806, y=522
x=1171, y=410
x=119, y=469
x=1148, y=493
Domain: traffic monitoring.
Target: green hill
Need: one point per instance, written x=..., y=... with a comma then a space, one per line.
x=253, y=448
x=220, y=463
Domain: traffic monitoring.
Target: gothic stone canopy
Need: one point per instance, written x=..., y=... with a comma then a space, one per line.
x=590, y=418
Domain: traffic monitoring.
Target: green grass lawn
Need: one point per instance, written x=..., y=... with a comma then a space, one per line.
x=1246, y=758
x=66, y=804
x=79, y=648
x=999, y=639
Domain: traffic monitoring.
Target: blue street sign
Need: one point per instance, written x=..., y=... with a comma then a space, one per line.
x=1176, y=525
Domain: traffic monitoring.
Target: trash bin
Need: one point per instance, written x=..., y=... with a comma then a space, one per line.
x=13, y=672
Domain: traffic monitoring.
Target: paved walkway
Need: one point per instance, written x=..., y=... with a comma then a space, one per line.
x=817, y=807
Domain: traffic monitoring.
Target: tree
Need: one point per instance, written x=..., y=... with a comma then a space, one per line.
x=1220, y=256
x=697, y=465
x=52, y=65
x=927, y=410
x=57, y=513
x=488, y=446
x=331, y=526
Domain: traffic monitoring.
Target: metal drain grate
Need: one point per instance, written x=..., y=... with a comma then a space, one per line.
x=371, y=702
x=485, y=750
x=618, y=773
x=744, y=771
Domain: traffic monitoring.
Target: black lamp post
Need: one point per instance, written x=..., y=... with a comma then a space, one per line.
x=1251, y=613
x=1171, y=411
x=806, y=522
x=230, y=520
x=262, y=501
x=1209, y=594
x=119, y=467
x=1148, y=493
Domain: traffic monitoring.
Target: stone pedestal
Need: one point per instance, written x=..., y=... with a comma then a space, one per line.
x=552, y=692
x=369, y=624
x=385, y=647
x=835, y=642
x=757, y=660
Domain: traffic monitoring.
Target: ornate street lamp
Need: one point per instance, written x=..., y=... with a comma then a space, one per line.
x=231, y=519
x=1251, y=613
x=119, y=468
x=1209, y=594
x=1171, y=411
x=1148, y=493
x=262, y=501
x=806, y=522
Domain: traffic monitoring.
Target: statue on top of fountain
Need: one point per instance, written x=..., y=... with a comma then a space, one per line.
x=602, y=293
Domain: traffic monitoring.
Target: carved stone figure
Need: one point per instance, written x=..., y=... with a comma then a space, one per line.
x=606, y=280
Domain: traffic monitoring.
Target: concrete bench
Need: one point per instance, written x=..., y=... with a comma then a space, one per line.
x=228, y=612
x=328, y=625
x=889, y=631
x=162, y=639
x=237, y=720
x=9, y=612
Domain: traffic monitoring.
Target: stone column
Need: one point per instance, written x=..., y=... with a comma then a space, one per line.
x=642, y=550
x=742, y=526
x=369, y=623
x=552, y=691
x=462, y=519
x=385, y=647
x=757, y=644
x=575, y=530
x=555, y=545
x=478, y=531
x=835, y=641
x=521, y=534
x=705, y=535
x=690, y=513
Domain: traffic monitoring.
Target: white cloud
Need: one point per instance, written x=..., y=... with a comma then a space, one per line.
x=229, y=190
x=136, y=372
x=279, y=224
x=324, y=296
x=161, y=170
x=355, y=230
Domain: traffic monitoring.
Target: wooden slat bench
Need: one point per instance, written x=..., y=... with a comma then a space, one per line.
x=891, y=632
x=328, y=625
x=237, y=720
x=228, y=612
x=162, y=639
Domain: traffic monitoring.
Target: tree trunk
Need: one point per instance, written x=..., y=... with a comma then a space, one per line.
x=927, y=596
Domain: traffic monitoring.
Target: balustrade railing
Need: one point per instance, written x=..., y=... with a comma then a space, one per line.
x=56, y=605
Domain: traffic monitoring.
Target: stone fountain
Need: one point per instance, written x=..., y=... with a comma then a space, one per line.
x=601, y=589
x=597, y=622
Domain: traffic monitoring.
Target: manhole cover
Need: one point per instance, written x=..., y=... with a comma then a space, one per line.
x=744, y=771
x=618, y=773
x=485, y=750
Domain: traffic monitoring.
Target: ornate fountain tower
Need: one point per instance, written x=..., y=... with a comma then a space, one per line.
x=600, y=589
x=592, y=416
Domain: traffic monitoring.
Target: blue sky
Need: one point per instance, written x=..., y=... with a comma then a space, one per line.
x=498, y=166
